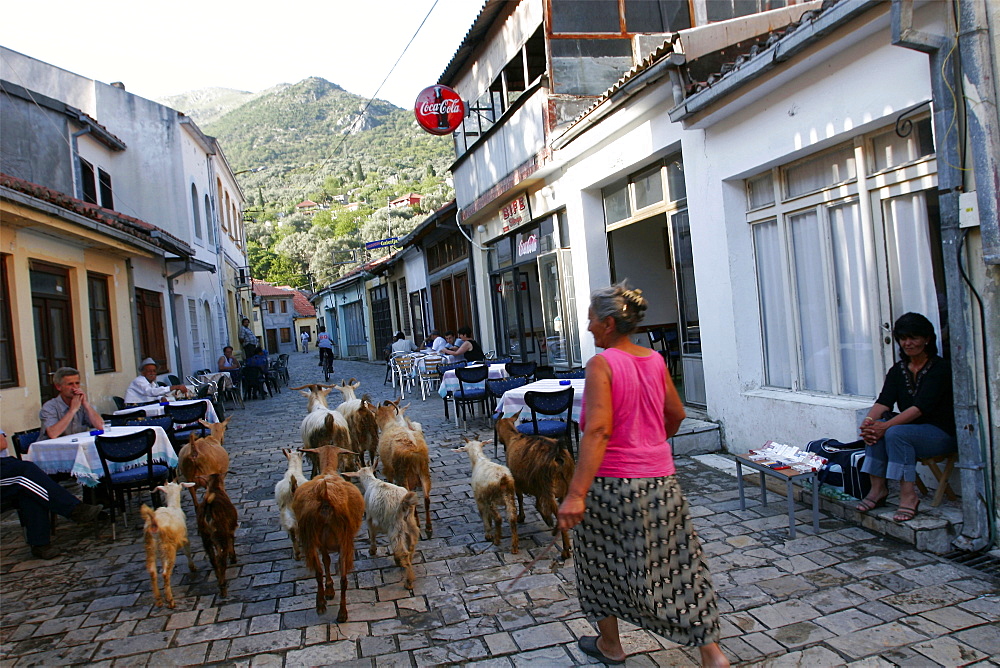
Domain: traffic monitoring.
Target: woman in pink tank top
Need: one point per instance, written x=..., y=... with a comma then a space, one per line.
x=637, y=555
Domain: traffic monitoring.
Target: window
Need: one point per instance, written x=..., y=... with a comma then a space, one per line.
x=194, y=209
x=8, y=361
x=102, y=344
x=104, y=182
x=87, y=184
x=286, y=334
x=616, y=206
x=585, y=16
x=645, y=189
x=448, y=251
x=723, y=10
x=284, y=306
x=270, y=306
x=209, y=222
x=890, y=150
x=648, y=188
x=826, y=278
x=656, y=16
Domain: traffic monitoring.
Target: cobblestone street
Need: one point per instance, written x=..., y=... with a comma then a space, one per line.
x=841, y=596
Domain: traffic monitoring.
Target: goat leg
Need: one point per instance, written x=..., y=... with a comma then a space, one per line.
x=372, y=547
x=151, y=550
x=331, y=591
x=520, y=507
x=296, y=550
x=565, y=545
x=511, y=512
x=342, y=613
x=187, y=552
x=427, y=511
x=169, y=557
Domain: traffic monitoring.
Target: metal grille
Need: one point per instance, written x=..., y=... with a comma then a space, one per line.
x=979, y=561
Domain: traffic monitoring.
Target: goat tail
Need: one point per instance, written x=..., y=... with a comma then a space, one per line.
x=293, y=484
x=149, y=516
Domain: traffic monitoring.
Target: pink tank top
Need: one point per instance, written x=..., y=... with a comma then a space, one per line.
x=638, y=446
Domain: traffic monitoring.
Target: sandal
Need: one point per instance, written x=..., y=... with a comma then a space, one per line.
x=905, y=514
x=588, y=645
x=867, y=505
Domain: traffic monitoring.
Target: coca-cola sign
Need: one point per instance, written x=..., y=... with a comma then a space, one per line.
x=439, y=110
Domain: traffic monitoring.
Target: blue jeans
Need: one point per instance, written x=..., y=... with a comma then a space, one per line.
x=895, y=455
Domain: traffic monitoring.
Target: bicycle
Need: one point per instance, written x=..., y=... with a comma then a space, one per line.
x=327, y=361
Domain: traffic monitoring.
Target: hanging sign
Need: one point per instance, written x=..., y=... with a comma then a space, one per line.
x=381, y=243
x=516, y=213
x=439, y=110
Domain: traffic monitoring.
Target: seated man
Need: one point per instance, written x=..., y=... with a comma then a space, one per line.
x=37, y=495
x=468, y=350
x=440, y=342
x=70, y=412
x=401, y=344
x=257, y=357
x=145, y=388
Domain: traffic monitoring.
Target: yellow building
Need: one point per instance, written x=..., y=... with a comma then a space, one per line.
x=68, y=297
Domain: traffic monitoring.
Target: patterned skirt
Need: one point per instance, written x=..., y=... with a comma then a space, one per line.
x=638, y=558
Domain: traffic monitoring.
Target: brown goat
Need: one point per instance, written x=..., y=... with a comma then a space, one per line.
x=217, y=522
x=328, y=511
x=542, y=468
x=403, y=452
x=204, y=456
x=360, y=417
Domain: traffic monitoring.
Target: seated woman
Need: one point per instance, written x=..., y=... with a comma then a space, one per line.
x=469, y=350
x=920, y=385
x=229, y=363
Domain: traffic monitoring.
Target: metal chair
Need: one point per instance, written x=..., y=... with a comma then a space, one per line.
x=404, y=369
x=184, y=422
x=575, y=373
x=526, y=369
x=119, y=402
x=282, y=368
x=471, y=396
x=551, y=404
x=502, y=360
x=22, y=440
x=254, y=382
x=123, y=449
x=450, y=397
x=669, y=346
x=428, y=374
x=496, y=388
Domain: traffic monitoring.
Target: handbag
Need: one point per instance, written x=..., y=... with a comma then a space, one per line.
x=843, y=467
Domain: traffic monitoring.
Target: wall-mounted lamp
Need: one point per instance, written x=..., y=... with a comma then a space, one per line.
x=548, y=192
x=481, y=230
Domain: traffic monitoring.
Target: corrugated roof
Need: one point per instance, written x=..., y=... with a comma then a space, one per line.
x=488, y=14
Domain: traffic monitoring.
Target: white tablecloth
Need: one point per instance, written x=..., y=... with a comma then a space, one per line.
x=156, y=410
x=222, y=379
x=77, y=454
x=449, y=381
x=513, y=400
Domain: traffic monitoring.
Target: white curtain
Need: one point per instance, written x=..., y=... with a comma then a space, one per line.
x=812, y=295
x=773, y=306
x=852, y=277
x=911, y=270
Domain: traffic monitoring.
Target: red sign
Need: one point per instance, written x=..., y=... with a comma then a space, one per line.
x=516, y=213
x=439, y=110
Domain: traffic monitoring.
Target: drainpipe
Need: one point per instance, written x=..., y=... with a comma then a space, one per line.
x=943, y=73
x=77, y=172
x=130, y=275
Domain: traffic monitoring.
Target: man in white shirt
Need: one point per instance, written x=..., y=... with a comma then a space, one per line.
x=439, y=341
x=145, y=388
x=401, y=344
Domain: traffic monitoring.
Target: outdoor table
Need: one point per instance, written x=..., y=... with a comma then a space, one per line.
x=222, y=379
x=77, y=454
x=156, y=410
x=512, y=401
x=789, y=476
x=449, y=381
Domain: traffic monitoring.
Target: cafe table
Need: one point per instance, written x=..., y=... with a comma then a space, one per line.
x=449, y=381
x=77, y=454
x=156, y=410
x=512, y=400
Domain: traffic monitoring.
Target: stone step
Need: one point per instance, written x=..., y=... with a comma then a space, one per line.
x=932, y=530
x=697, y=437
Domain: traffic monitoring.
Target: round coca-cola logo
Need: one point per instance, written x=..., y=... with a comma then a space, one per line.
x=439, y=110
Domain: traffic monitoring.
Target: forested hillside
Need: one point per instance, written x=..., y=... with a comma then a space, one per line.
x=310, y=141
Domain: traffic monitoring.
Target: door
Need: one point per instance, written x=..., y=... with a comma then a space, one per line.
x=197, y=345
x=149, y=315
x=381, y=318
x=271, y=336
x=562, y=343
x=53, y=320
x=689, y=325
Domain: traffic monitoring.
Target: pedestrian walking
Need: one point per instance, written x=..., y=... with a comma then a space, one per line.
x=305, y=338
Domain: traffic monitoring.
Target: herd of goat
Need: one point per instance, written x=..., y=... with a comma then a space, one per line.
x=322, y=515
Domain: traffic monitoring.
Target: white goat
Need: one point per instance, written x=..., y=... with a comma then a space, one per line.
x=492, y=485
x=164, y=532
x=322, y=426
x=391, y=510
x=283, y=493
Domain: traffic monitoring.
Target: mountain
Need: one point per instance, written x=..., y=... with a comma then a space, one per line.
x=314, y=140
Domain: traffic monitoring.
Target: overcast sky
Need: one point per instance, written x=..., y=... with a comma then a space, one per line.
x=158, y=49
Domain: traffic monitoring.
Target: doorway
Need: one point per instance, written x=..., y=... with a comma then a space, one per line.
x=518, y=305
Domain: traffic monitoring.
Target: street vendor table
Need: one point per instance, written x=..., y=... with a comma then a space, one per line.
x=77, y=454
x=449, y=381
x=156, y=410
x=790, y=476
x=513, y=400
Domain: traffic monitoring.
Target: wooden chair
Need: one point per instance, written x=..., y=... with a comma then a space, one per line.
x=942, y=477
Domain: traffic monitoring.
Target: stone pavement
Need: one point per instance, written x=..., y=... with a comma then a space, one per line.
x=841, y=597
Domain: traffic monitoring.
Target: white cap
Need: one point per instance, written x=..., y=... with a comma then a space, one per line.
x=147, y=362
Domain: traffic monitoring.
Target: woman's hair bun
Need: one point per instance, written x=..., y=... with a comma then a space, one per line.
x=634, y=300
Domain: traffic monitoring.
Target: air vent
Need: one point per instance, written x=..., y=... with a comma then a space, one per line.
x=980, y=561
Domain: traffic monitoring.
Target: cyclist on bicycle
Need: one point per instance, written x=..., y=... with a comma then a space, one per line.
x=325, y=345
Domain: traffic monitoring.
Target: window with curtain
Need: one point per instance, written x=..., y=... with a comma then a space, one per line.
x=826, y=278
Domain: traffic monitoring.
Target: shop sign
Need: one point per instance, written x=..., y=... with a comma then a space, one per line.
x=439, y=110
x=515, y=214
x=527, y=244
